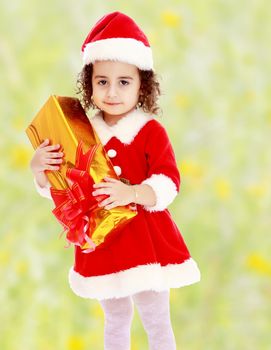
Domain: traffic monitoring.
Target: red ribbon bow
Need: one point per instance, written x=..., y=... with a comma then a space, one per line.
x=75, y=204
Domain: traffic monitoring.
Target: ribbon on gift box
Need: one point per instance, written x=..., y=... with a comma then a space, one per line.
x=75, y=204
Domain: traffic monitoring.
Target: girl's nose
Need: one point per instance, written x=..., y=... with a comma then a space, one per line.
x=111, y=92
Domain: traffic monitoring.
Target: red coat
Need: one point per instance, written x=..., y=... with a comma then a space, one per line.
x=149, y=253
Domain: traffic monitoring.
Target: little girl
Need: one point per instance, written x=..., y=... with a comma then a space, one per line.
x=149, y=255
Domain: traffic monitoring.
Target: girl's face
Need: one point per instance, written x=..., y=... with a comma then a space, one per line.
x=115, y=87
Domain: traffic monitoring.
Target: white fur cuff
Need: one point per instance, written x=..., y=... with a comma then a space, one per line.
x=43, y=191
x=165, y=191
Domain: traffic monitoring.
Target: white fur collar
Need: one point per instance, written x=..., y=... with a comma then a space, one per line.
x=125, y=129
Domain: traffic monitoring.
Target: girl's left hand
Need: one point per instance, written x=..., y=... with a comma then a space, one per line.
x=119, y=193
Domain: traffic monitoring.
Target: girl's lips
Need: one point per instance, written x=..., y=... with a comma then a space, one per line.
x=112, y=104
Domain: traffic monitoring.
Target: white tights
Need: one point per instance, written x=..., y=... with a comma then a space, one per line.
x=154, y=311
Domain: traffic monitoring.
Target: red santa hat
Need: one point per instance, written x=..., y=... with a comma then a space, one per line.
x=117, y=37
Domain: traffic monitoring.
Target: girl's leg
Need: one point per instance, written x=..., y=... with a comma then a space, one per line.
x=118, y=320
x=153, y=308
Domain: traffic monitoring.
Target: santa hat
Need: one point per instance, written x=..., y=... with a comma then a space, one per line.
x=117, y=37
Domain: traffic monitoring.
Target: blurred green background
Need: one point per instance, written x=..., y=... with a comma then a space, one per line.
x=213, y=59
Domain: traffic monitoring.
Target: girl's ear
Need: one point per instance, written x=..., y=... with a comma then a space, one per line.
x=140, y=100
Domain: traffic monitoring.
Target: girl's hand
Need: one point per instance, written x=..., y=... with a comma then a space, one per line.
x=44, y=158
x=119, y=193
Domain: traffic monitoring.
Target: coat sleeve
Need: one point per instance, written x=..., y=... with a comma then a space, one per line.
x=163, y=174
x=43, y=191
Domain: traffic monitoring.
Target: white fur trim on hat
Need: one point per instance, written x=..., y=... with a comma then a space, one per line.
x=165, y=191
x=119, y=49
x=43, y=191
x=134, y=280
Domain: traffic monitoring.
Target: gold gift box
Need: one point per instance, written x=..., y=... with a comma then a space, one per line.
x=63, y=121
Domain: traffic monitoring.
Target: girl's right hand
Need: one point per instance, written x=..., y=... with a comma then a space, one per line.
x=45, y=157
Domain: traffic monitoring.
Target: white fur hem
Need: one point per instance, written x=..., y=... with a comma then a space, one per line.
x=134, y=280
x=165, y=191
x=119, y=49
x=43, y=191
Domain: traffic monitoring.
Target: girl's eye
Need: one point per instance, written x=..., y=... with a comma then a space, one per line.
x=102, y=82
x=124, y=82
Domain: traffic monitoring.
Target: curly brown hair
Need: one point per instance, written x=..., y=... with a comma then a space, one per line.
x=149, y=89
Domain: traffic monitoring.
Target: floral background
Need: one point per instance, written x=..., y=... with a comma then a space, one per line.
x=213, y=60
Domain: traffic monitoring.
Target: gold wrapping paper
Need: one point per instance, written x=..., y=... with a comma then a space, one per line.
x=63, y=121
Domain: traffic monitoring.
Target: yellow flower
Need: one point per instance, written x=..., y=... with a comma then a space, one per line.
x=258, y=263
x=75, y=343
x=171, y=19
x=222, y=188
x=257, y=190
x=21, y=267
x=4, y=258
x=193, y=173
x=181, y=100
x=20, y=156
x=190, y=168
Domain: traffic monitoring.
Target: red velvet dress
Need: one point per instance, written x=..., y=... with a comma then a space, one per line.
x=149, y=253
